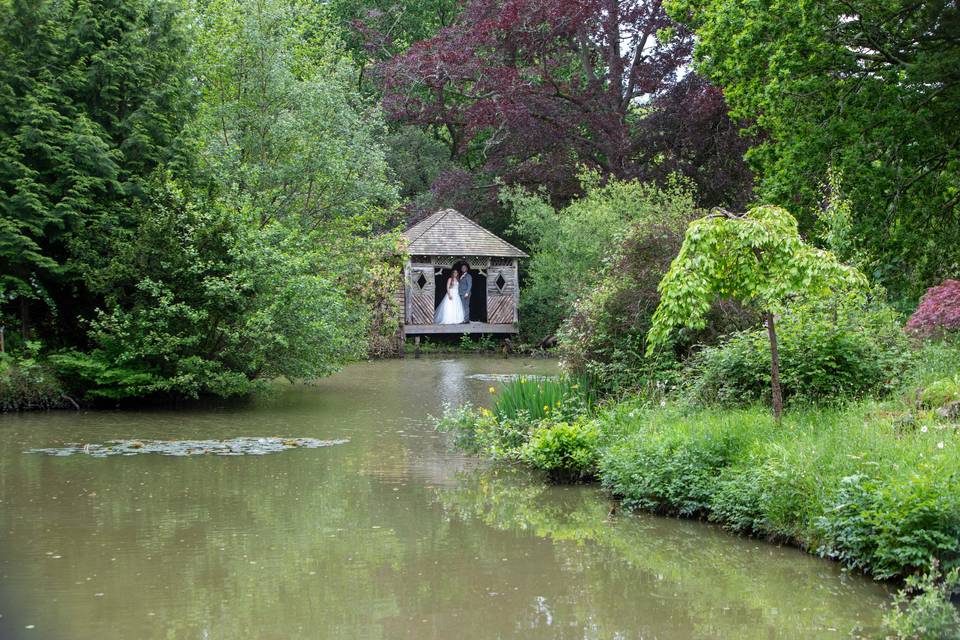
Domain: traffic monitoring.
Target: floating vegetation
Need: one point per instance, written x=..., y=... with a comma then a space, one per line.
x=506, y=377
x=231, y=447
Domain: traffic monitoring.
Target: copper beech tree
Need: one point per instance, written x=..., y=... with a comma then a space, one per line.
x=757, y=258
x=531, y=90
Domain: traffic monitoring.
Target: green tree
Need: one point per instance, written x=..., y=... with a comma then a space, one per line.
x=283, y=130
x=199, y=302
x=93, y=96
x=867, y=87
x=757, y=258
x=376, y=30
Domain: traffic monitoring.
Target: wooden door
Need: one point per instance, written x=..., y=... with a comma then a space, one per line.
x=501, y=295
x=421, y=287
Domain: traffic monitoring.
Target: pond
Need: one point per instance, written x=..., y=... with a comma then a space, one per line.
x=381, y=533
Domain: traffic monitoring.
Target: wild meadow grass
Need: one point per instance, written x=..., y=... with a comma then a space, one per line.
x=852, y=483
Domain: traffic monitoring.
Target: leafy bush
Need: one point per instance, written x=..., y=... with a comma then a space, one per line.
x=938, y=313
x=940, y=392
x=893, y=526
x=567, y=451
x=479, y=431
x=200, y=302
x=569, y=247
x=27, y=383
x=840, y=481
x=923, y=609
x=535, y=399
x=605, y=335
x=672, y=464
x=820, y=359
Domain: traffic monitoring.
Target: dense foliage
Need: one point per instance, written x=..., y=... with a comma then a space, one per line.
x=567, y=451
x=571, y=245
x=868, y=88
x=28, y=383
x=836, y=483
x=202, y=302
x=825, y=354
x=93, y=97
x=529, y=91
x=924, y=607
x=757, y=258
x=189, y=194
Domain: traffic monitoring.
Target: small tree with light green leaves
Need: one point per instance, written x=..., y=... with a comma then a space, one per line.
x=757, y=258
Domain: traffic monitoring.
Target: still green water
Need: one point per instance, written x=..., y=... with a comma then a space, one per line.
x=390, y=535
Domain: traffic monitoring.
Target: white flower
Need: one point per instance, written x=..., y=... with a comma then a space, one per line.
x=939, y=445
x=923, y=429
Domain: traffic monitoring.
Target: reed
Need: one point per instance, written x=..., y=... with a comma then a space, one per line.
x=540, y=398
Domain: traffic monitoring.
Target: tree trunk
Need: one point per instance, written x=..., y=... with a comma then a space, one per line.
x=774, y=368
x=24, y=318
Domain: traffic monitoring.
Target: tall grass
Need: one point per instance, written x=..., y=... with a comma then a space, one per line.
x=848, y=483
x=541, y=398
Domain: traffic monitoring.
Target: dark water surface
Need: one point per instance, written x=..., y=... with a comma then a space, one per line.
x=390, y=535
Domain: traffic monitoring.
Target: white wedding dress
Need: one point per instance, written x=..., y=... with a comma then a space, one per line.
x=450, y=310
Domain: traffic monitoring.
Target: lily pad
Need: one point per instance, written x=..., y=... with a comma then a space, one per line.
x=231, y=447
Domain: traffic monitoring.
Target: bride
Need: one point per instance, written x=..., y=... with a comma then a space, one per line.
x=450, y=310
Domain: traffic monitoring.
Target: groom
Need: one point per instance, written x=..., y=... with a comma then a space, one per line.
x=466, y=284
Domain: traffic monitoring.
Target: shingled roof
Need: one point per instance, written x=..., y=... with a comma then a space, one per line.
x=450, y=233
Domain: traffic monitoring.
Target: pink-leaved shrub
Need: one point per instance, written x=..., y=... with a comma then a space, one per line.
x=938, y=312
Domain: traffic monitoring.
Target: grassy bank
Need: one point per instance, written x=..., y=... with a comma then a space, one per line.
x=872, y=483
x=848, y=483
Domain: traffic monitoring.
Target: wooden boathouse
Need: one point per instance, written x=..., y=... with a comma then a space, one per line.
x=435, y=246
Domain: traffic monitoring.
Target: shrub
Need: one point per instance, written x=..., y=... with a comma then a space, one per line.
x=535, y=399
x=893, y=526
x=940, y=392
x=567, y=451
x=672, y=464
x=196, y=302
x=739, y=500
x=479, y=431
x=923, y=609
x=569, y=247
x=820, y=359
x=938, y=312
x=26, y=383
x=841, y=482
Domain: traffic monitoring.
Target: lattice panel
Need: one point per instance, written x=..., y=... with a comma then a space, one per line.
x=500, y=309
x=446, y=262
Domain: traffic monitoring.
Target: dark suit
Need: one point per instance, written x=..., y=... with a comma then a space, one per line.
x=466, y=285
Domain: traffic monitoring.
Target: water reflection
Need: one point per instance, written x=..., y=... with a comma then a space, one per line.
x=672, y=578
x=453, y=387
